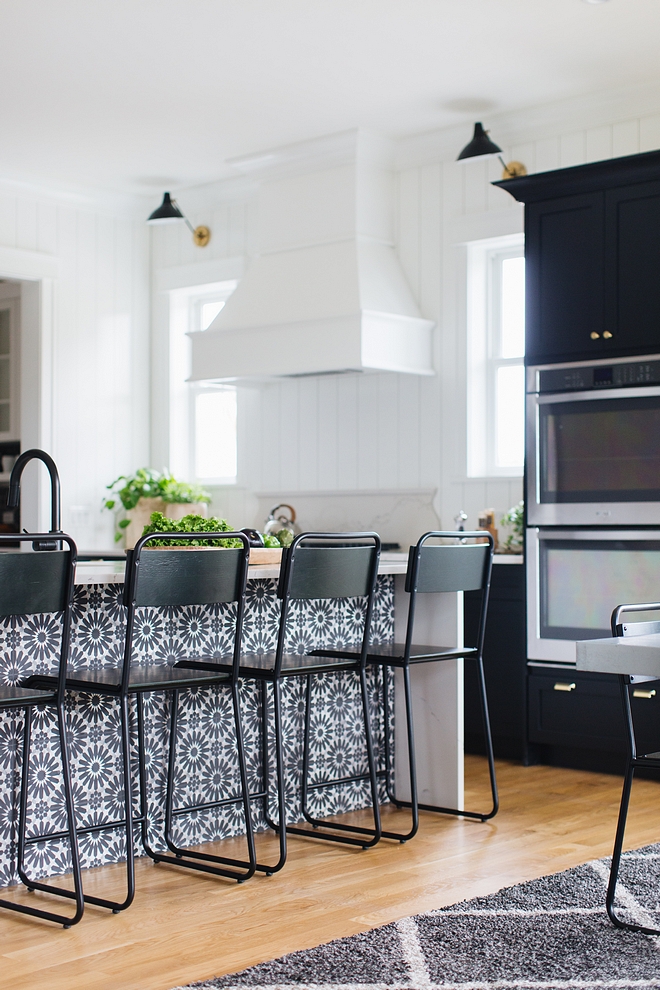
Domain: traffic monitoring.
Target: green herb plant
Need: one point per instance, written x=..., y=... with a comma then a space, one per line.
x=149, y=483
x=189, y=524
x=513, y=519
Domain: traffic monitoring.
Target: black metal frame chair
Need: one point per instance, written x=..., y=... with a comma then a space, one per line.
x=31, y=584
x=649, y=761
x=317, y=566
x=456, y=566
x=172, y=577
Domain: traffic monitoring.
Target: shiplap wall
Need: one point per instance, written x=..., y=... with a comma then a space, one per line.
x=99, y=388
x=353, y=433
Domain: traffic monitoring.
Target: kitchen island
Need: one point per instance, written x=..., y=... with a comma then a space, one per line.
x=207, y=763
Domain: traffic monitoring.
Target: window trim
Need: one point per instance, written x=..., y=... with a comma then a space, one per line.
x=483, y=361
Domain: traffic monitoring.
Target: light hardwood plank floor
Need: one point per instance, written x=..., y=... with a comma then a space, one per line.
x=184, y=926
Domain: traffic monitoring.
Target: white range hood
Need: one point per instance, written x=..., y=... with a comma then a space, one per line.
x=325, y=293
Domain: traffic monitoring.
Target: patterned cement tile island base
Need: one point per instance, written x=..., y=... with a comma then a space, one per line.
x=548, y=934
x=207, y=764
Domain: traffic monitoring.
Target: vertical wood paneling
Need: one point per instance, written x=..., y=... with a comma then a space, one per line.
x=625, y=138
x=272, y=448
x=409, y=430
x=474, y=185
x=327, y=433
x=598, y=143
x=347, y=447
x=26, y=224
x=649, y=133
x=547, y=154
x=367, y=430
x=572, y=149
x=388, y=431
x=308, y=441
x=408, y=227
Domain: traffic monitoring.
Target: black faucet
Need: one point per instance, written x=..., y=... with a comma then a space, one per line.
x=14, y=495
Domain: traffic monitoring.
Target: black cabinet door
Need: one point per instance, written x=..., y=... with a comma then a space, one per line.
x=632, y=265
x=504, y=664
x=565, y=256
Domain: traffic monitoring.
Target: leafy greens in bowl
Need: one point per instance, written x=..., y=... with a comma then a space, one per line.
x=189, y=524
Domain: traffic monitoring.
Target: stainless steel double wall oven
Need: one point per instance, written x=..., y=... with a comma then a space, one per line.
x=593, y=498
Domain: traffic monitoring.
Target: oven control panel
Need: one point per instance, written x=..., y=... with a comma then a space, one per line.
x=599, y=376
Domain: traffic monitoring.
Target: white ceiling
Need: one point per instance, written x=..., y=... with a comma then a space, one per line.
x=141, y=95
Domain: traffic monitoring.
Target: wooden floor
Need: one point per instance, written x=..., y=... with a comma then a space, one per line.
x=184, y=927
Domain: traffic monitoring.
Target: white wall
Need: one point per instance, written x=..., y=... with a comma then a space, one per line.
x=340, y=438
x=86, y=337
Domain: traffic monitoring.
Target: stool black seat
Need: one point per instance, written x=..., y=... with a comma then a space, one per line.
x=316, y=566
x=435, y=568
x=157, y=578
x=38, y=583
x=635, y=760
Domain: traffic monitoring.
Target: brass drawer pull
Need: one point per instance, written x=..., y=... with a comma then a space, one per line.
x=594, y=335
x=562, y=686
x=607, y=335
x=638, y=693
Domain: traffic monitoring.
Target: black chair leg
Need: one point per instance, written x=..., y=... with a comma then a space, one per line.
x=319, y=823
x=77, y=893
x=191, y=859
x=413, y=803
x=624, y=682
x=280, y=826
x=117, y=906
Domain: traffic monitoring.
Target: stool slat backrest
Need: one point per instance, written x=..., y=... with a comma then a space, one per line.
x=32, y=583
x=171, y=578
x=329, y=566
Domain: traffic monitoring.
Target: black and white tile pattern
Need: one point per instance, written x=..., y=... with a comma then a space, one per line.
x=548, y=934
x=207, y=754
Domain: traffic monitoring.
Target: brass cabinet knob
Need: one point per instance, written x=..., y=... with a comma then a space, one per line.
x=607, y=335
x=594, y=335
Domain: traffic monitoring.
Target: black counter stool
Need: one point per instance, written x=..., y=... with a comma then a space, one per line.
x=318, y=566
x=648, y=761
x=435, y=568
x=171, y=578
x=34, y=584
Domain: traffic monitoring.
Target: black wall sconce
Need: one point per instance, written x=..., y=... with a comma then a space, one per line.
x=481, y=146
x=169, y=212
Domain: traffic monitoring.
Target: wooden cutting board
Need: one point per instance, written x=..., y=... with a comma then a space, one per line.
x=262, y=555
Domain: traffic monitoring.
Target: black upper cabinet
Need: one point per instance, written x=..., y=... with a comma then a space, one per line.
x=632, y=265
x=592, y=250
x=564, y=252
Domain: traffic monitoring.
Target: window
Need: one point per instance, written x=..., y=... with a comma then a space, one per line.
x=214, y=419
x=203, y=415
x=213, y=413
x=496, y=348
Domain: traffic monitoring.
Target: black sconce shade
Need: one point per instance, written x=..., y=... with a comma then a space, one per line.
x=480, y=145
x=167, y=212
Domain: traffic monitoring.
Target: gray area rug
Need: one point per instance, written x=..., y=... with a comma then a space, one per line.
x=551, y=933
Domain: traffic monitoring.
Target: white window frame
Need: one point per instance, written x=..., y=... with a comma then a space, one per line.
x=484, y=261
x=185, y=317
x=10, y=299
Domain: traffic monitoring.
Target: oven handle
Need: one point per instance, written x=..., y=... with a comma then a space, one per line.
x=636, y=392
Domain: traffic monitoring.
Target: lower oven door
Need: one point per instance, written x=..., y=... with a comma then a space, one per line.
x=575, y=578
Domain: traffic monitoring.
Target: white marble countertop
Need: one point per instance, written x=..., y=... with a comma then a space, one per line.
x=620, y=655
x=112, y=571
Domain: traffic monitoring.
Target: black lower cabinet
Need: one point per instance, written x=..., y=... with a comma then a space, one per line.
x=576, y=719
x=504, y=665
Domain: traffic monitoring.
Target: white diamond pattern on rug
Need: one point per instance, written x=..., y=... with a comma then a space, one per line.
x=548, y=934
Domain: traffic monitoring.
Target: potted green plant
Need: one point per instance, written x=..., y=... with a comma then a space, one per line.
x=147, y=491
x=513, y=520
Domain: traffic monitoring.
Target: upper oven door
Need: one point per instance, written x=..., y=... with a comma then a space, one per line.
x=593, y=458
